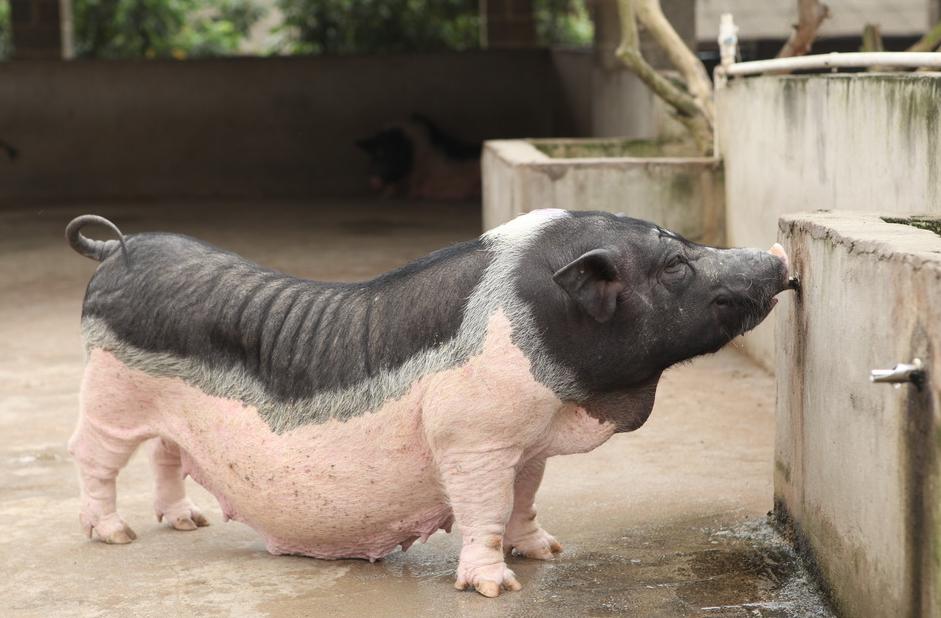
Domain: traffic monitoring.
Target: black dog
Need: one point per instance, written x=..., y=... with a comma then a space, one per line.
x=419, y=160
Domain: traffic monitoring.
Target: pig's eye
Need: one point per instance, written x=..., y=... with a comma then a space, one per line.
x=675, y=265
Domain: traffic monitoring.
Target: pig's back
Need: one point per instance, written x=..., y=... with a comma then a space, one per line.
x=175, y=295
x=286, y=337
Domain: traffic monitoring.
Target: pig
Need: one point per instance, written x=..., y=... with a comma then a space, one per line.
x=418, y=160
x=345, y=420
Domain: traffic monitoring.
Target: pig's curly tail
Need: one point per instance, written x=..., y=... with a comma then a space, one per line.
x=94, y=249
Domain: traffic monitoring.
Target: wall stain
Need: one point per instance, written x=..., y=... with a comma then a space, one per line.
x=918, y=441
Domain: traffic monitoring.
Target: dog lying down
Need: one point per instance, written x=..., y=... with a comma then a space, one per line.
x=418, y=160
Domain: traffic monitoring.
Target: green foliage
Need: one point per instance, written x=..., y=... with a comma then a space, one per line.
x=378, y=26
x=6, y=34
x=200, y=28
x=563, y=22
x=161, y=28
x=382, y=26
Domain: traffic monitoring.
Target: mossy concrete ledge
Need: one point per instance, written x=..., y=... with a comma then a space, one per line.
x=843, y=141
x=857, y=474
x=683, y=194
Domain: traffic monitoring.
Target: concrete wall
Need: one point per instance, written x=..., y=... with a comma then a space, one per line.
x=857, y=464
x=604, y=101
x=682, y=194
x=865, y=142
x=262, y=127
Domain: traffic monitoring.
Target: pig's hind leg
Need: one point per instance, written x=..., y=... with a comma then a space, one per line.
x=114, y=411
x=100, y=454
x=524, y=536
x=170, y=499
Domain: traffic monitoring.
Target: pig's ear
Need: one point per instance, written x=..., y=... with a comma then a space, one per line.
x=593, y=281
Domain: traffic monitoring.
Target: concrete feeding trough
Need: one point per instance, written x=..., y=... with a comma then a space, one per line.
x=650, y=180
x=857, y=471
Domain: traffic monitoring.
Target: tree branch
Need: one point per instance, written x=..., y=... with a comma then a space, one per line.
x=928, y=42
x=694, y=73
x=689, y=112
x=872, y=39
x=872, y=42
x=810, y=15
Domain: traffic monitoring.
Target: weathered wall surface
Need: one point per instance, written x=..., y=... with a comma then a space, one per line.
x=857, y=464
x=249, y=126
x=574, y=68
x=682, y=194
x=604, y=100
x=864, y=142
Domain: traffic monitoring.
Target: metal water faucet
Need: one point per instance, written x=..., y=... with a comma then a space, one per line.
x=902, y=373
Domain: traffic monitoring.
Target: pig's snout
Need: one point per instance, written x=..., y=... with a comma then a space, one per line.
x=778, y=251
x=784, y=281
x=755, y=279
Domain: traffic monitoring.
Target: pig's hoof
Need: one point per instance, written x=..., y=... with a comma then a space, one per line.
x=538, y=545
x=182, y=515
x=488, y=580
x=109, y=529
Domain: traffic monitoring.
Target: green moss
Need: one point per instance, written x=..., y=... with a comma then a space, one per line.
x=613, y=148
x=793, y=100
x=681, y=188
x=932, y=224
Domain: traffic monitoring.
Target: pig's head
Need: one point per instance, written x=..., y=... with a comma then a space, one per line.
x=626, y=299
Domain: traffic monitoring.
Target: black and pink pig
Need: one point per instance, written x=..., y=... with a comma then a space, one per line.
x=345, y=420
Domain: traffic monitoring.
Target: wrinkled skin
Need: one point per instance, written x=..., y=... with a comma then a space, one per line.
x=544, y=337
x=646, y=298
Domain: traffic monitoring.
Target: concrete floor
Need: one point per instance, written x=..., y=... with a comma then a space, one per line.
x=666, y=521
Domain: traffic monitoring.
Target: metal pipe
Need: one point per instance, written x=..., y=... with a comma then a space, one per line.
x=837, y=60
x=913, y=372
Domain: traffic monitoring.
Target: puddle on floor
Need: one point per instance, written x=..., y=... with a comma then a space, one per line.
x=748, y=570
x=693, y=569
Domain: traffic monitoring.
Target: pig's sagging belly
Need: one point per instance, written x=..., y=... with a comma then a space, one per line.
x=357, y=488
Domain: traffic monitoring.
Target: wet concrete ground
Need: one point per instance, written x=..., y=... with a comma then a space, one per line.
x=666, y=521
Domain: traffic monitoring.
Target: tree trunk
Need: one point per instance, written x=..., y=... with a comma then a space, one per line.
x=695, y=113
x=872, y=39
x=698, y=83
x=810, y=15
x=928, y=42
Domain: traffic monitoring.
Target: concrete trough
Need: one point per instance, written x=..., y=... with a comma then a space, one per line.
x=857, y=473
x=641, y=179
x=845, y=141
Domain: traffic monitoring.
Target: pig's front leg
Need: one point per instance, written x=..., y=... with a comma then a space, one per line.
x=170, y=500
x=524, y=535
x=480, y=488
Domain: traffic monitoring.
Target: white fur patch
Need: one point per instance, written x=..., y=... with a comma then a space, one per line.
x=525, y=227
x=494, y=291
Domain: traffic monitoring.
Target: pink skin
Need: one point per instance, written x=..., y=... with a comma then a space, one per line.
x=170, y=499
x=524, y=535
x=468, y=443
